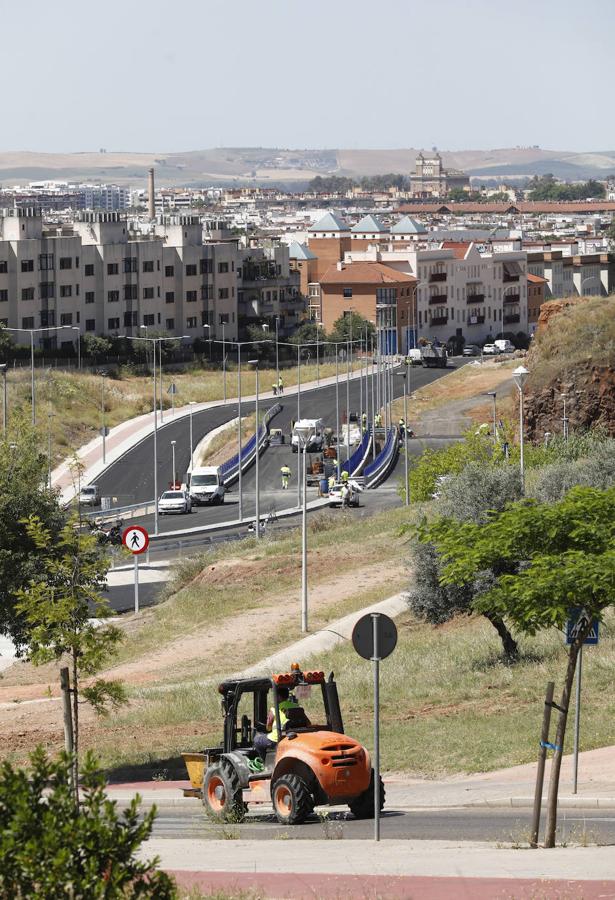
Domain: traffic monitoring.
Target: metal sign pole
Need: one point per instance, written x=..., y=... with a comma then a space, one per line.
x=376, y=661
x=136, y=558
x=577, y=722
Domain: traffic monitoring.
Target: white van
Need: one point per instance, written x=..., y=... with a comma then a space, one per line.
x=205, y=485
x=317, y=438
x=504, y=346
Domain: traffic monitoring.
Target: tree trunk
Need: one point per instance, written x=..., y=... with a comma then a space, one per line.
x=76, y=728
x=511, y=649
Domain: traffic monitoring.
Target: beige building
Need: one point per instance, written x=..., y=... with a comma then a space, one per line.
x=431, y=179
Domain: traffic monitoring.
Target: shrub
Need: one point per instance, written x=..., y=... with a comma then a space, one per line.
x=477, y=490
x=51, y=846
x=433, y=464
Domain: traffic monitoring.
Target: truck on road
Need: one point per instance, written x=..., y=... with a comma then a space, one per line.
x=317, y=435
x=204, y=484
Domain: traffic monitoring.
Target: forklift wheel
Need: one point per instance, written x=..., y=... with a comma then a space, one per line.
x=222, y=794
x=292, y=801
x=363, y=806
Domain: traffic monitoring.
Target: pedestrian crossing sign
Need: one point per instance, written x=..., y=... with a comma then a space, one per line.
x=576, y=622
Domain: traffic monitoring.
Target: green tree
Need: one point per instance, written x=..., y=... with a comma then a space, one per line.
x=60, y=606
x=52, y=847
x=6, y=344
x=23, y=494
x=547, y=559
x=96, y=347
x=353, y=327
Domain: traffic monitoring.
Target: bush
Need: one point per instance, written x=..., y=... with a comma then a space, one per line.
x=477, y=490
x=552, y=482
x=52, y=848
x=451, y=460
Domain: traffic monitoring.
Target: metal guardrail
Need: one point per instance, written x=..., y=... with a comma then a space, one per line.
x=356, y=460
x=230, y=469
x=381, y=467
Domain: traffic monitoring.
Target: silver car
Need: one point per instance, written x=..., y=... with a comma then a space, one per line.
x=174, y=502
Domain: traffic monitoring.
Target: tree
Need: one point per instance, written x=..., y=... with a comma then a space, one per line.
x=52, y=847
x=6, y=344
x=263, y=347
x=60, y=606
x=548, y=558
x=352, y=327
x=23, y=494
x=96, y=347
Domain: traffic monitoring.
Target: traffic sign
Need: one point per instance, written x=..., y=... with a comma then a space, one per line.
x=363, y=636
x=136, y=539
x=577, y=621
x=172, y=388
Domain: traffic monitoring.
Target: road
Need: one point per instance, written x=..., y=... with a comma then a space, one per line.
x=470, y=824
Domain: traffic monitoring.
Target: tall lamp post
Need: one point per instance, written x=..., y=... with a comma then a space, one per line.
x=78, y=330
x=565, y=418
x=103, y=427
x=173, y=443
x=304, y=432
x=254, y=362
x=3, y=368
x=493, y=395
x=520, y=376
x=32, y=332
x=404, y=375
x=191, y=405
x=277, y=351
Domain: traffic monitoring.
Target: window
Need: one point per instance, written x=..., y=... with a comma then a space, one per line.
x=76, y=290
x=4, y=296
x=89, y=296
x=89, y=269
x=27, y=265
x=190, y=296
x=206, y=266
x=169, y=271
x=130, y=264
x=347, y=292
x=191, y=269
x=222, y=293
x=45, y=261
x=48, y=318
x=4, y=266
x=150, y=319
x=48, y=290
x=130, y=292
x=207, y=292
x=66, y=290
x=130, y=319
x=27, y=293
x=76, y=262
x=113, y=324
x=148, y=293
x=169, y=297
x=191, y=322
x=170, y=324
x=112, y=268
x=113, y=296
x=27, y=322
x=66, y=319
x=222, y=267
x=148, y=265
x=90, y=324
x=66, y=262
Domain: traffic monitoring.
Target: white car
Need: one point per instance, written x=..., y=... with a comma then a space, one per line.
x=174, y=502
x=336, y=493
x=490, y=350
x=90, y=495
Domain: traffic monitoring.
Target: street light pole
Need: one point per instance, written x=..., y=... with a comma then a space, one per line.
x=240, y=484
x=3, y=368
x=277, y=354
x=49, y=418
x=565, y=418
x=32, y=332
x=173, y=453
x=337, y=407
x=103, y=427
x=404, y=375
x=224, y=361
x=191, y=405
x=254, y=362
x=493, y=394
x=520, y=376
x=304, y=433
x=298, y=382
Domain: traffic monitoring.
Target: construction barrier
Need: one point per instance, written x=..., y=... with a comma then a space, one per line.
x=355, y=462
x=383, y=465
x=229, y=471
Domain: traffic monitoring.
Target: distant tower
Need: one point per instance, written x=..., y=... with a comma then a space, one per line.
x=151, y=199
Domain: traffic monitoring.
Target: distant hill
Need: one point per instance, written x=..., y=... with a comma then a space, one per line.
x=274, y=166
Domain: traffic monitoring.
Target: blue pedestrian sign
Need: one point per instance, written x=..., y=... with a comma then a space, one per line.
x=577, y=621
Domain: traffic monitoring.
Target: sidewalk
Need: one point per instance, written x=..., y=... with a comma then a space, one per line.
x=126, y=435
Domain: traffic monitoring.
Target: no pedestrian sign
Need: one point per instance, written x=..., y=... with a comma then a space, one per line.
x=136, y=539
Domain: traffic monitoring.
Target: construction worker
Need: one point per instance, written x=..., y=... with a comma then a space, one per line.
x=364, y=423
x=285, y=473
x=345, y=494
x=402, y=427
x=331, y=482
x=264, y=742
x=280, y=385
x=378, y=420
x=274, y=389
x=345, y=476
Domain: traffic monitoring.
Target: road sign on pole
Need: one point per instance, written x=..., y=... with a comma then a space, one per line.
x=136, y=539
x=374, y=637
x=577, y=622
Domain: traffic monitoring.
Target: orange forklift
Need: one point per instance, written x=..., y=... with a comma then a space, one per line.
x=313, y=764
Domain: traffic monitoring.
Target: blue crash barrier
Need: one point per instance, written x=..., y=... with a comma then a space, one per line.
x=382, y=466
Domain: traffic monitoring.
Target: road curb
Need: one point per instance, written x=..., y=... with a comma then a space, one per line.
x=528, y=803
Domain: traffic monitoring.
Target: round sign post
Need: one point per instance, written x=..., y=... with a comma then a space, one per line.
x=374, y=637
x=136, y=539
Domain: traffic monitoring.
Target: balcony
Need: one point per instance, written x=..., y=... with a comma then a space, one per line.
x=437, y=276
x=476, y=320
x=512, y=319
x=475, y=298
x=438, y=320
x=437, y=298
x=511, y=298
x=507, y=279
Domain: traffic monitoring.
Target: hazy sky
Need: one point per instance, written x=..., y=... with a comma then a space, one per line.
x=191, y=74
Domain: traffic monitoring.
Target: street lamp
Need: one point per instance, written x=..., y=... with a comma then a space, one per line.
x=404, y=375
x=304, y=433
x=78, y=330
x=49, y=418
x=254, y=362
x=493, y=394
x=565, y=418
x=173, y=454
x=32, y=332
x=277, y=356
x=191, y=404
x=520, y=376
x=103, y=427
x=3, y=368
x=224, y=361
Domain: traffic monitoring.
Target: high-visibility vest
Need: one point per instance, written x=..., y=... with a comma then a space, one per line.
x=285, y=471
x=284, y=705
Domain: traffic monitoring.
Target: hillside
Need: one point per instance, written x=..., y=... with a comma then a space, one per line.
x=274, y=166
x=573, y=354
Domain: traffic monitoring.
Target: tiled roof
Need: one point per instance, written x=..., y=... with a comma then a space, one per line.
x=368, y=224
x=365, y=273
x=460, y=248
x=300, y=251
x=536, y=279
x=408, y=226
x=330, y=222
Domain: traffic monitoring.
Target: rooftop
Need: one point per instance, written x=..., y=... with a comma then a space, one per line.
x=365, y=273
x=330, y=222
x=369, y=224
x=300, y=251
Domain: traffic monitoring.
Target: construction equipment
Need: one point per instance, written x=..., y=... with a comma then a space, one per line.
x=313, y=764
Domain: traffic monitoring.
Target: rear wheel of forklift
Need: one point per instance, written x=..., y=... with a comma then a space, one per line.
x=222, y=794
x=292, y=800
x=363, y=806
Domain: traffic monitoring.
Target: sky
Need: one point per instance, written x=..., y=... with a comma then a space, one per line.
x=154, y=75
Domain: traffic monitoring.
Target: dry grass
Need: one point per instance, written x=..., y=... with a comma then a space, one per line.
x=225, y=444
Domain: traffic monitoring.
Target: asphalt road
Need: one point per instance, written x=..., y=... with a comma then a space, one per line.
x=469, y=824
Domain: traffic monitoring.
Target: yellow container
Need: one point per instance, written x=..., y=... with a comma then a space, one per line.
x=195, y=763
